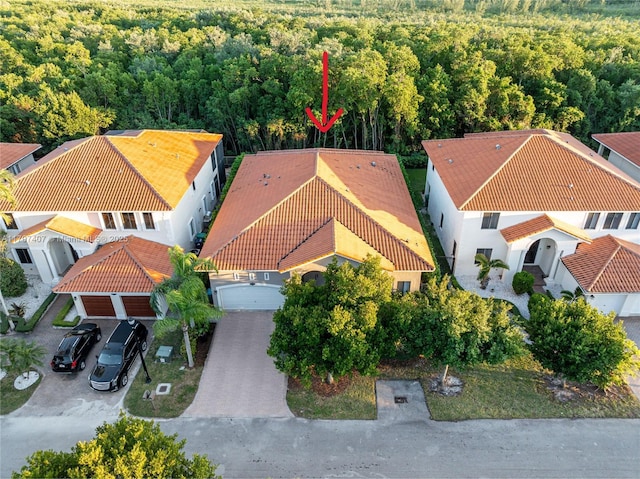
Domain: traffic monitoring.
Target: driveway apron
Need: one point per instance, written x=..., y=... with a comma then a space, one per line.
x=239, y=378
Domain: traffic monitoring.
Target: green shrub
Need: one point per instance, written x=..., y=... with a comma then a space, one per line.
x=523, y=282
x=26, y=326
x=12, y=279
x=59, y=319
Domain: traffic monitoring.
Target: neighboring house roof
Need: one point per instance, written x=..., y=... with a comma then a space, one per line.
x=148, y=170
x=532, y=170
x=288, y=208
x=625, y=144
x=132, y=265
x=607, y=265
x=62, y=225
x=540, y=224
x=11, y=153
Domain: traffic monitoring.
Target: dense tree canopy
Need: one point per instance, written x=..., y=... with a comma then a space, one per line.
x=403, y=70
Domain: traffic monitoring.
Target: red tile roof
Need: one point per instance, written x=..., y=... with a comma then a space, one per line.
x=625, y=144
x=65, y=226
x=11, y=153
x=607, y=265
x=133, y=265
x=147, y=170
x=287, y=208
x=536, y=170
x=540, y=224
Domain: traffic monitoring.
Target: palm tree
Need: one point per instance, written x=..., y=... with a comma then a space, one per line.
x=19, y=355
x=486, y=266
x=7, y=185
x=571, y=296
x=185, y=295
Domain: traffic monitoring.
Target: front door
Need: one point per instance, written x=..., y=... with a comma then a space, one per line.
x=530, y=257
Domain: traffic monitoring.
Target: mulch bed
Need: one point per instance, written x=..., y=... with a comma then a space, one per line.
x=576, y=391
x=203, y=345
x=321, y=387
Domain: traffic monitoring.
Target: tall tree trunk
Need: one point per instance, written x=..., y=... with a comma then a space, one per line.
x=187, y=343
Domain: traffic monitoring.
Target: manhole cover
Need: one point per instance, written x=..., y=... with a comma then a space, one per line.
x=400, y=399
x=163, y=388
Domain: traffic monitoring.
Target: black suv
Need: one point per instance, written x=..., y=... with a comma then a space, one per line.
x=112, y=369
x=74, y=348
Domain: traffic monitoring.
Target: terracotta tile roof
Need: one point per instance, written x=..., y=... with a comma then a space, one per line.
x=279, y=210
x=11, y=153
x=148, y=170
x=540, y=224
x=607, y=265
x=133, y=265
x=65, y=226
x=529, y=171
x=625, y=144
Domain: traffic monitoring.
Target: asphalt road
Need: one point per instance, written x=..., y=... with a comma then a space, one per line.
x=260, y=448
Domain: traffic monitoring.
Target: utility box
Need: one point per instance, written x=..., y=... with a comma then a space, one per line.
x=164, y=354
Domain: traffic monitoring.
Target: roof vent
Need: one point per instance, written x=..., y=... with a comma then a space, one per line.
x=498, y=146
x=439, y=145
x=358, y=166
x=373, y=163
x=570, y=185
x=87, y=182
x=449, y=160
x=266, y=183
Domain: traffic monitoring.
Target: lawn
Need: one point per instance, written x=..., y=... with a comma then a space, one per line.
x=184, y=383
x=10, y=397
x=516, y=389
x=417, y=179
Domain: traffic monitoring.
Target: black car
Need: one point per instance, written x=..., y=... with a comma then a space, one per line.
x=74, y=348
x=112, y=369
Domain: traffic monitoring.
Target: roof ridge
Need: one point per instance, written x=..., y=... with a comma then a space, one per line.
x=309, y=236
x=606, y=263
x=137, y=173
x=495, y=173
x=135, y=259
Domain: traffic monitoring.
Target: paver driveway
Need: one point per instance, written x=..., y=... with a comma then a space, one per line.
x=239, y=379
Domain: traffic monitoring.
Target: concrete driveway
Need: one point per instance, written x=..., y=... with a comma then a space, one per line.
x=239, y=379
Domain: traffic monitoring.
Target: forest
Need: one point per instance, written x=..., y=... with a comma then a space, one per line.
x=402, y=70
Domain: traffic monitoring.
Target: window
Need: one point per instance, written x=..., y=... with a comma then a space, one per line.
x=148, y=221
x=485, y=251
x=266, y=276
x=129, y=221
x=592, y=221
x=212, y=194
x=192, y=228
x=236, y=276
x=490, y=221
x=252, y=276
x=10, y=222
x=612, y=221
x=24, y=256
x=441, y=219
x=403, y=286
x=204, y=205
x=634, y=220
x=109, y=222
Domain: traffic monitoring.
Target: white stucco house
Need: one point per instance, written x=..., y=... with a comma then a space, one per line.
x=622, y=150
x=529, y=198
x=15, y=157
x=297, y=210
x=157, y=186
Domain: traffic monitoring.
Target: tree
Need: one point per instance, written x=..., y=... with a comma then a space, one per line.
x=572, y=295
x=7, y=185
x=486, y=265
x=186, y=297
x=127, y=449
x=19, y=356
x=330, y=329
x=578, y=342
x=459, y=328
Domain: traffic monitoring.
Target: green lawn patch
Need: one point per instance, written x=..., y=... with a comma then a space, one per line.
x=12, y=398
x=184, y=382
x=351, y=398
x=417, y=179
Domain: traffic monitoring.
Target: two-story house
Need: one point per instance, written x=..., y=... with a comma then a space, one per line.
x=531, y=198
x=157, y=186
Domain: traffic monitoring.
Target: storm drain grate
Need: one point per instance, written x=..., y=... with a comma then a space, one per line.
x=400, y=399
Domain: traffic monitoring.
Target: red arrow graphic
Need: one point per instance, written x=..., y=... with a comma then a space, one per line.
x=325, y=125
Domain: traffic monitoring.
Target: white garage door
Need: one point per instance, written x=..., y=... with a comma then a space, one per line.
x=245, y=296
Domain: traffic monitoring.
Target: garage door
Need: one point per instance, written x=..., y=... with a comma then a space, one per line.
x=98, y=306
x=138, y=306
x=256, y=297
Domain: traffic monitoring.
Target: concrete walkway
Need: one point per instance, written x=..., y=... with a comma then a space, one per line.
x=239, y=379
